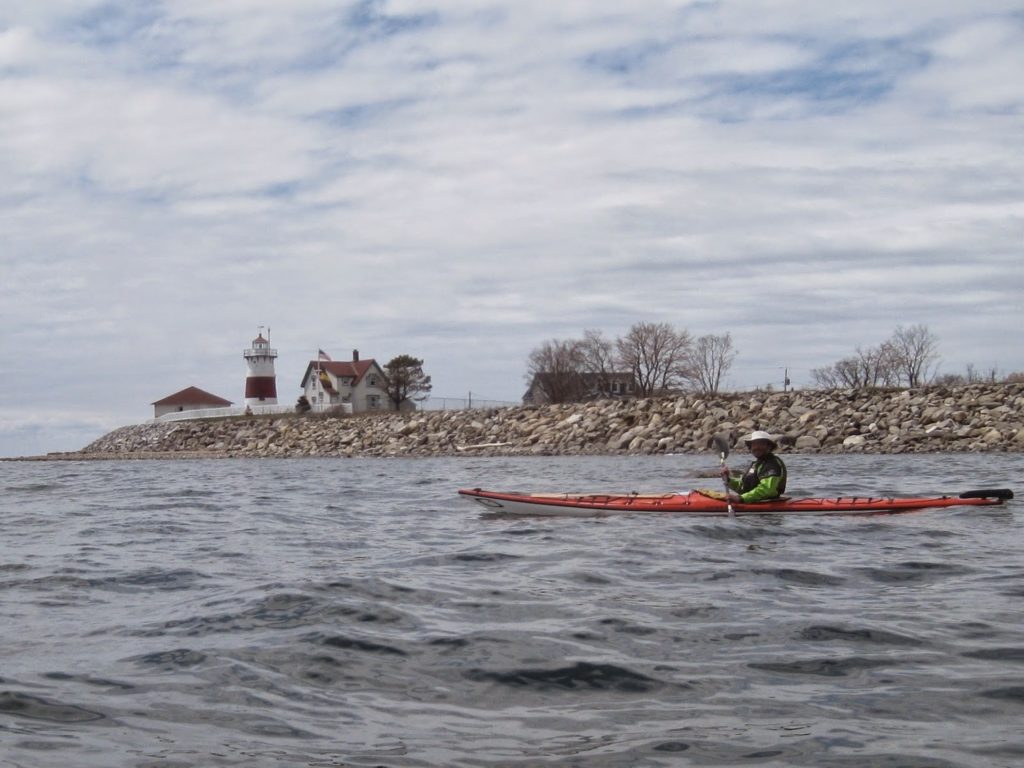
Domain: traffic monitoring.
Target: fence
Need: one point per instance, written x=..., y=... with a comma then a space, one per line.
x=254, y=410
x=461, y=403
x=430, y=404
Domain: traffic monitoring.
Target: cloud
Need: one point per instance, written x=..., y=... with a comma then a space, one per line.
x=28, y=433
x=462, y=182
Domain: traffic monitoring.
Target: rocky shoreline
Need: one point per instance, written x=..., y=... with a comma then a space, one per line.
x=974, y=418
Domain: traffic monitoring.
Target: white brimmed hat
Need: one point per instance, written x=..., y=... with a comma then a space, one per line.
x=760, y=435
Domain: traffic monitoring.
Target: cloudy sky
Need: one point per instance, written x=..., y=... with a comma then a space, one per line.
x=462, y=181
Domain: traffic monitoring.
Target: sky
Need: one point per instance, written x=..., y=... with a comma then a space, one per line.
x=463, y=181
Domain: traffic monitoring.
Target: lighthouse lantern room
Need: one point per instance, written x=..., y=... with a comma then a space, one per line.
x=260, y=381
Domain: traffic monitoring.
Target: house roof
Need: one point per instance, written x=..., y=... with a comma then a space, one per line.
x=193, y=396
x=341, y=369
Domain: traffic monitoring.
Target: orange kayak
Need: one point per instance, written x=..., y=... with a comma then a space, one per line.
x=710, y=503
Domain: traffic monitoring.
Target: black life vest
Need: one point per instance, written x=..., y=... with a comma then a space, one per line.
x=770, y=466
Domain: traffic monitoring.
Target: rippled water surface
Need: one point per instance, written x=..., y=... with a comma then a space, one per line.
x=359, y=613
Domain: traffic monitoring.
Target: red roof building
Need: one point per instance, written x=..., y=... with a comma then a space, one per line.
x=188, y=399
x=359, y=385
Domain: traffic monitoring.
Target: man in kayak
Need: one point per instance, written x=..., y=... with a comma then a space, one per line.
x=765, y=479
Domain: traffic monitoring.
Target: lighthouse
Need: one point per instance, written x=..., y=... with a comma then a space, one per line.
x=260, y=380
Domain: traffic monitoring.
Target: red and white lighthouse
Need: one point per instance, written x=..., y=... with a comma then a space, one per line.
x=260, y=381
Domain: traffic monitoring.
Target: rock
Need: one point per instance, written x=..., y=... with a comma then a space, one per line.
x=820, y=433
x=808, y=417
x=409, y=428
x=637, y=444
x=807, y=442
x=971, y=418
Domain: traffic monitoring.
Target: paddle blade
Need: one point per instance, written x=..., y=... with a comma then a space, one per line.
x=988, y=493
x=721, y=444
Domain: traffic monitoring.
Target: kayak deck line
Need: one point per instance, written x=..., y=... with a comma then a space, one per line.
x=555, y=495
x=700, y=502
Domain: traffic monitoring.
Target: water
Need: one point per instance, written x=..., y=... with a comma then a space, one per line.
x=357, y=613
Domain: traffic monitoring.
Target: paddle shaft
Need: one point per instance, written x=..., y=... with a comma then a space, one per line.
x=723, y=452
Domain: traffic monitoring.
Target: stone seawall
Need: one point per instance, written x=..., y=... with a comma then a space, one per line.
x=976, y=418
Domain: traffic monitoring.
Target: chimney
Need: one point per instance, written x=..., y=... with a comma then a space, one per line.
x=355, y=355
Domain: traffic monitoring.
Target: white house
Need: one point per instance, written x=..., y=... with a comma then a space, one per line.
x=359, y=384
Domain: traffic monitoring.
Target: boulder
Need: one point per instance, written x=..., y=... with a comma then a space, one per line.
x=807, y=443
x=981, y=417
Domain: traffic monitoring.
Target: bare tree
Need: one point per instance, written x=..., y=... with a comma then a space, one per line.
x=709, y=358
x=975, y=376
x=655, y=353
x=886, y=364
x=914, y=354
x=825, y=378
x=598, y=362
x=556, y=367
x=875, y=366
x=871, y=367
x=850, y=371
x=843, y=374
x=909, y=356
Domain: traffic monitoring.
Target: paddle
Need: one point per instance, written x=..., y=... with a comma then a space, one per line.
x=988, y=493
x=722, y=446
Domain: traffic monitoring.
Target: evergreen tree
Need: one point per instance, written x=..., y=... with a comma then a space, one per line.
x=406, y=380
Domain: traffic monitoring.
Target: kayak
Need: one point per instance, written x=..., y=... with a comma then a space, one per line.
x=703, y=502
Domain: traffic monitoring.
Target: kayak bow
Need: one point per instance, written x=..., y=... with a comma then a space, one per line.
x=706, y=503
